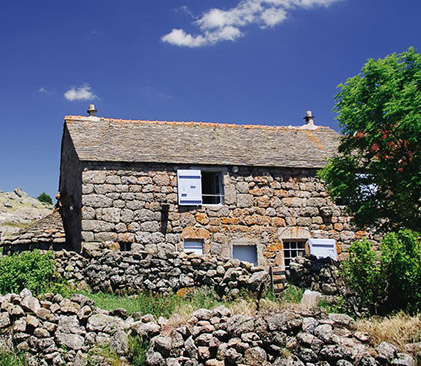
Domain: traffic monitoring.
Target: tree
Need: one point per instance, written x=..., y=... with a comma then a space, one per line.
x=45, y=198
x=377, y=169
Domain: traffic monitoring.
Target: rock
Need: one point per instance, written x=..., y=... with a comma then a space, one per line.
x=72, y=341
x=254, y=356
x=202, y=314
x=41, y=333
x=104, y=323
x=343, y=319
x=154, y=358
x=286, y=322
x=148, y=329
x=403, y=359
x=257, y=279
x=4, y=320
x=32, y=322
x=163, y=345
x=310, y=298
x=239, y=324
x=386, y=352
x=288, y=361
x=29, y=302
x=324, y=332
x=120, y=343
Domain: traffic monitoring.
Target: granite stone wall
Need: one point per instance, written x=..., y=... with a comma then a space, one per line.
x=137, y=204
x=163, y=272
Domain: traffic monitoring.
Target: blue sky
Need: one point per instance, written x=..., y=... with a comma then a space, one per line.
x=250, y=61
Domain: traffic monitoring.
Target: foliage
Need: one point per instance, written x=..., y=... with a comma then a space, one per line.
x=45, y=198
x=389, y=279
x=32, y=270
x=12, y=359
x=138, y=347
x=377, y=170
x=292, y=294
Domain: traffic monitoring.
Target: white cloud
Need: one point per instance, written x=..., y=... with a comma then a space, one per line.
x=82, y=93
x=43, y=90
x=218, y=25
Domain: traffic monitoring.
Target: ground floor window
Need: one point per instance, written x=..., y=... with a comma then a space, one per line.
x=247, y=253
x=193, y=246
x=125, y=246
x=292, y=249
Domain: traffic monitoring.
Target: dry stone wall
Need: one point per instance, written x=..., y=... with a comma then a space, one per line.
x=165, y=272
x=52, y=330
x=291, y=338
x=137, y=204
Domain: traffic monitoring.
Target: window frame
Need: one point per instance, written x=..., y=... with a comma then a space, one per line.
x=216, y=170
x=301, y=246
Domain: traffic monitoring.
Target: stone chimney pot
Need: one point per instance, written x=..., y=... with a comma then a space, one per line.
x=91, y=110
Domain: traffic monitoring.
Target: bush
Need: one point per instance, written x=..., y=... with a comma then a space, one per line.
x=32, y=270
x=390, y=279
x=45, y=198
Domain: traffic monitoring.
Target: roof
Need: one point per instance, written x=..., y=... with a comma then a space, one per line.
x=114, y=140
x=49, y=229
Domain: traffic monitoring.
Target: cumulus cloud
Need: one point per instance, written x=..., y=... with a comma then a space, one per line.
x=84, y=92
x=217, y=25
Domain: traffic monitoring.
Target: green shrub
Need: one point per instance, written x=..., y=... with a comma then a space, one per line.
x=45, y=198
x=401, y=263
x=389, y=279
x=32, y=270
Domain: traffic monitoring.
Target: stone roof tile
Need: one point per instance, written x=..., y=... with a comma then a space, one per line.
x=114, y=140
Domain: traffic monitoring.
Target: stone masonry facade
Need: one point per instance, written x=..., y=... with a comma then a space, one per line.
x=136, y=204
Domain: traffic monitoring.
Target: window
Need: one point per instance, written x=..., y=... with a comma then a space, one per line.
x=193, y=246
x=211, y=188
x=292, y=249
x=196, y=187
x=125, y=246
x=245, y=253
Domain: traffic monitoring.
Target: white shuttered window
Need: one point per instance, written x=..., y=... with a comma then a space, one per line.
x=189, y=184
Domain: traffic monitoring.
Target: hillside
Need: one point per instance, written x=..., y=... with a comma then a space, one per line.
x=18, y=210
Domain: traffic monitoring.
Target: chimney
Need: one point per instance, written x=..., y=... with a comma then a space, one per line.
x=309, y=118
x=91, y=110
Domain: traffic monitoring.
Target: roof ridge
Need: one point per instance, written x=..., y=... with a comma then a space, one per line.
x=72, y=118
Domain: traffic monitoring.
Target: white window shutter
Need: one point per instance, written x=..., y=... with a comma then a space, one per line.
x=322, y=248
x=189, y=185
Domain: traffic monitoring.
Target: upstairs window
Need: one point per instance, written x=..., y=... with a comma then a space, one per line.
x=196, y=187
x=212, y=188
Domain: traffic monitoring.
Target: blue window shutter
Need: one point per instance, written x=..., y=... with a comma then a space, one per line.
x=189, y=185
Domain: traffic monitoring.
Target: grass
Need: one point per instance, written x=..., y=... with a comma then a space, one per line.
x=104, y=354
x=398, y=329
x=138, y=348
x=12, y=359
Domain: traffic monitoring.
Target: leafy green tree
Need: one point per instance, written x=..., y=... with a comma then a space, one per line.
x=45, y=198
x=377, y=170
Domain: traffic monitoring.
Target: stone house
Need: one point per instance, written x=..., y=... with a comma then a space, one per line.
x=243, y=191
